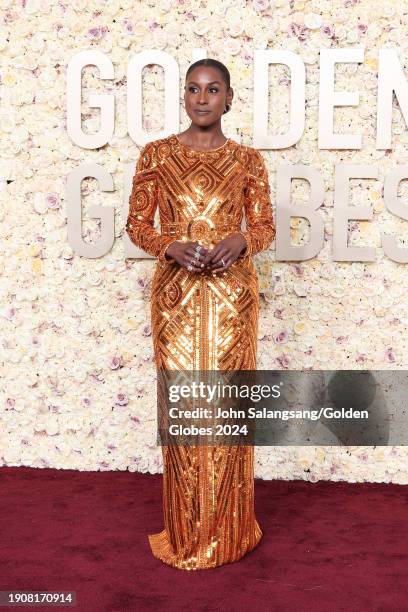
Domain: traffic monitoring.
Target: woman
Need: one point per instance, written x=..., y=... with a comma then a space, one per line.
x=204, y=306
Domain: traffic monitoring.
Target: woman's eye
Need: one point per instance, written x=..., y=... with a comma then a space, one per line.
x=211, y=89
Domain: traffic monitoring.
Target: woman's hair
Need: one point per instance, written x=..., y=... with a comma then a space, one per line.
x=214, y=64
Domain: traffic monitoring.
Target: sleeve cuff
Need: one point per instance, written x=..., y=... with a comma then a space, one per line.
x=161, y=256
x=248, y=250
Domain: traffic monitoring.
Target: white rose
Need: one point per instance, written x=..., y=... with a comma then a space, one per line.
x=300, y=288
x=236, y=28
x=165, y=6
x=310, y=56
x=340, y=16
x=37, y=43
x=139, y=31
x=201, y=26
x=112, y=7
x=232, y=46
x=233, y=15
x=124, y=42
x=35, y=6
x=260, y=42
x=85, y=328
x=387, y=9
x=28, y=61
x=352, y=36
x=313, y=21
x=159, y=39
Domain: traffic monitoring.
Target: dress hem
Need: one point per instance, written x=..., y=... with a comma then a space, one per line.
x=162, y=550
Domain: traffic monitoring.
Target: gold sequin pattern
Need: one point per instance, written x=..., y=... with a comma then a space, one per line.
x=203, y=321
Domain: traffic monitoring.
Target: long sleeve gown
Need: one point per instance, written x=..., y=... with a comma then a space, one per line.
x=202, y=321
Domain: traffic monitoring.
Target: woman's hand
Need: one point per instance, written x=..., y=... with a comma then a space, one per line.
x=227, y=250
x=184, y=252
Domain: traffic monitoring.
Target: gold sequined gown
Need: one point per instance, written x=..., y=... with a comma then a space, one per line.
x=202, y=321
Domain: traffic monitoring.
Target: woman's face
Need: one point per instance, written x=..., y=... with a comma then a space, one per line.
x=205, y=90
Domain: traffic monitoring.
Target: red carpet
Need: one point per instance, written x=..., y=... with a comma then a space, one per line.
x=326, y=546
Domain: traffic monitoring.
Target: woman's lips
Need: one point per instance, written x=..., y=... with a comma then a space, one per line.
x=202, y=112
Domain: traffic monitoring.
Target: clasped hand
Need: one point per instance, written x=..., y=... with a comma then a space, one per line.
x=218, y=259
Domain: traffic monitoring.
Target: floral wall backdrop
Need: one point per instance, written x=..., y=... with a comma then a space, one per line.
x=77, y=366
